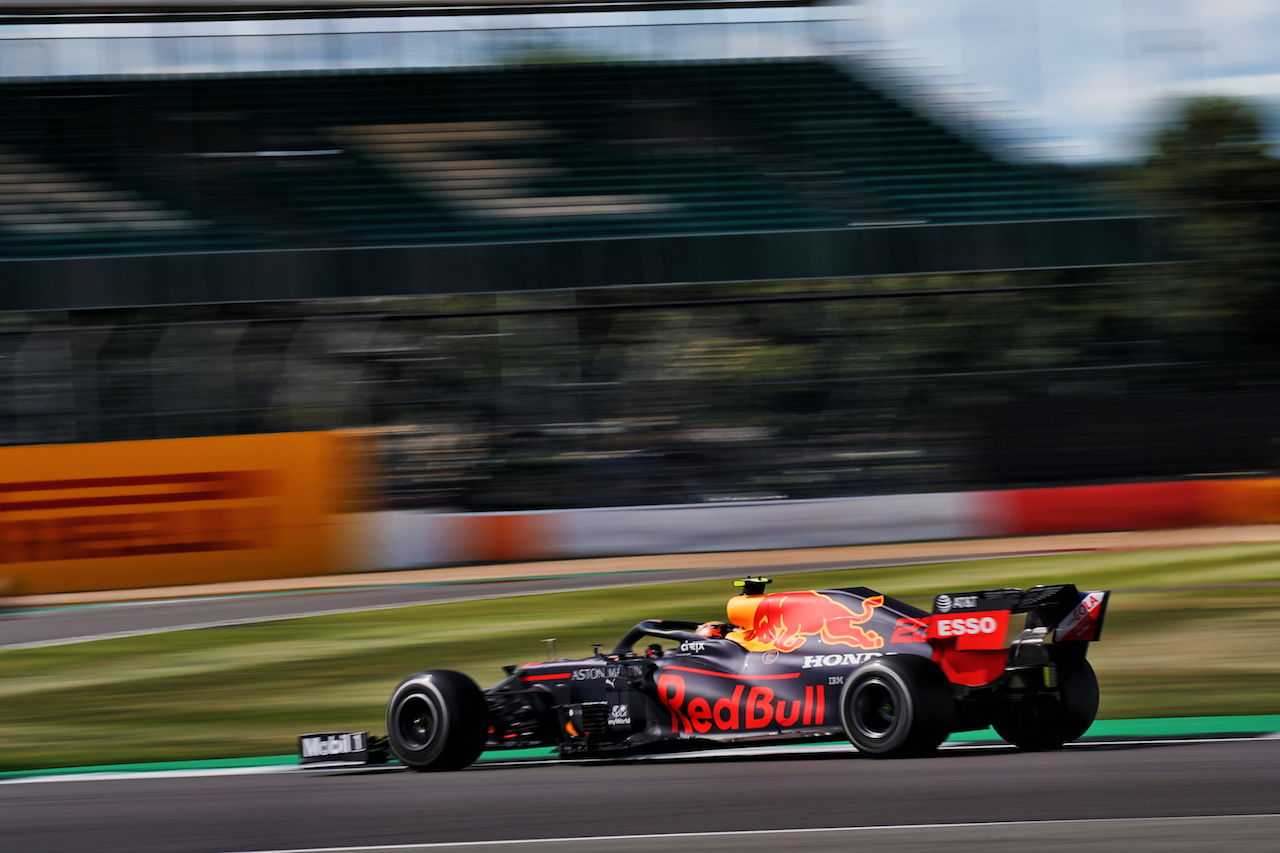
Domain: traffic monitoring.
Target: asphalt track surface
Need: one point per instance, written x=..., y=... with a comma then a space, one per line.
x=1150, y=796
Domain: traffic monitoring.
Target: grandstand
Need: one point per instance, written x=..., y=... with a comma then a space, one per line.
x=488, y=155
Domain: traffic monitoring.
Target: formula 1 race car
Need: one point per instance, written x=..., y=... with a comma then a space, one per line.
x=786, y=667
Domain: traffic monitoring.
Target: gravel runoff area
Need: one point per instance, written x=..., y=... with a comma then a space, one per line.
x=914, y=551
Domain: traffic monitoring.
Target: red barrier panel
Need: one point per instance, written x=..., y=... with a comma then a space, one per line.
x=505, y=537
x=1086, y=509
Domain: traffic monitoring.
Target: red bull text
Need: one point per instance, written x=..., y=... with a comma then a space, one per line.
x=748, y=708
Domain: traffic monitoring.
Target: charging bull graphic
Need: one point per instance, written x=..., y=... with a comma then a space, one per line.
x=784, y=621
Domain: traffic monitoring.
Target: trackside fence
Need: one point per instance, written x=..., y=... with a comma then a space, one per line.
x=408, y=538
x=119, y=515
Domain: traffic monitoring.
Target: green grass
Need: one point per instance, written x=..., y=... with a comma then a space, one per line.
x=1180, y=640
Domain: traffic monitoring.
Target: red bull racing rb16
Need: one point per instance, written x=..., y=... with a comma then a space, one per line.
x=829, y=664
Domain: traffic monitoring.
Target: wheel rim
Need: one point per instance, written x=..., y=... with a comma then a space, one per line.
x=875, y=709
x=416, y=721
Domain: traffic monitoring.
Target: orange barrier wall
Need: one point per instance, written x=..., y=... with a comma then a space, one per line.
x=1243, y=501
x=179, y=511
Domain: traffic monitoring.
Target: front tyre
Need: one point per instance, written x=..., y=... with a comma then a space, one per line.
x=896, y=706
x=1039, y=722
x=437, y=720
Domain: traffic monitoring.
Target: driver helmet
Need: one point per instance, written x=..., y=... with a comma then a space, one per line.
x=714, y=630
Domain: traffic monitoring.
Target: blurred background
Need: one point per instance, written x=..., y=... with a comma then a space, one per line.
x=546, y=255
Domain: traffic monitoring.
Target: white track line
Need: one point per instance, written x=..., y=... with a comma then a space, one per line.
x=766, y=833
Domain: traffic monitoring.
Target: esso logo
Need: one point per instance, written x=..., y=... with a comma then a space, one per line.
x=961, y=625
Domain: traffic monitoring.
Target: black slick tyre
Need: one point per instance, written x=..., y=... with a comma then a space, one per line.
x=897, y=706
x=437, y=720
x=1041, y=722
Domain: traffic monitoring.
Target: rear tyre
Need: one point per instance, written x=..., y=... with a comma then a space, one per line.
x=1040, y=722
x=437, y=720
x=897, y=706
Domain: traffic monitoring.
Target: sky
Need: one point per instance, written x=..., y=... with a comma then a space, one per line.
x=1089, y=78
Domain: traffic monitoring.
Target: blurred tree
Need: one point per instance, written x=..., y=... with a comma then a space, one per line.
x=1211, y=168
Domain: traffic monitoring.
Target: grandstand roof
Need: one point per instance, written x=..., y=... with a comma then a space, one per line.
x=76, y=11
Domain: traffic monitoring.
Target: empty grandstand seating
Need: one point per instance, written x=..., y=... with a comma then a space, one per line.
x=510, y=154
x=44, y=206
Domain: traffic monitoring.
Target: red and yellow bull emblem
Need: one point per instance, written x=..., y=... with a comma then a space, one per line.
x=784, y=621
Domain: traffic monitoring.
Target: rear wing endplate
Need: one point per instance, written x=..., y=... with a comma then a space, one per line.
x=1084, y=622
x=1066, y=612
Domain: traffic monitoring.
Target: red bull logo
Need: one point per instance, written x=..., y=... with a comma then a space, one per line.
x=746, y=708
x=784, y=621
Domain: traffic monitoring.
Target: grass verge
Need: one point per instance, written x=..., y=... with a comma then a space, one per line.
x=1190, y=632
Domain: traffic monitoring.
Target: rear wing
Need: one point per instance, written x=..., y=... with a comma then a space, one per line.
x=980, y=619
